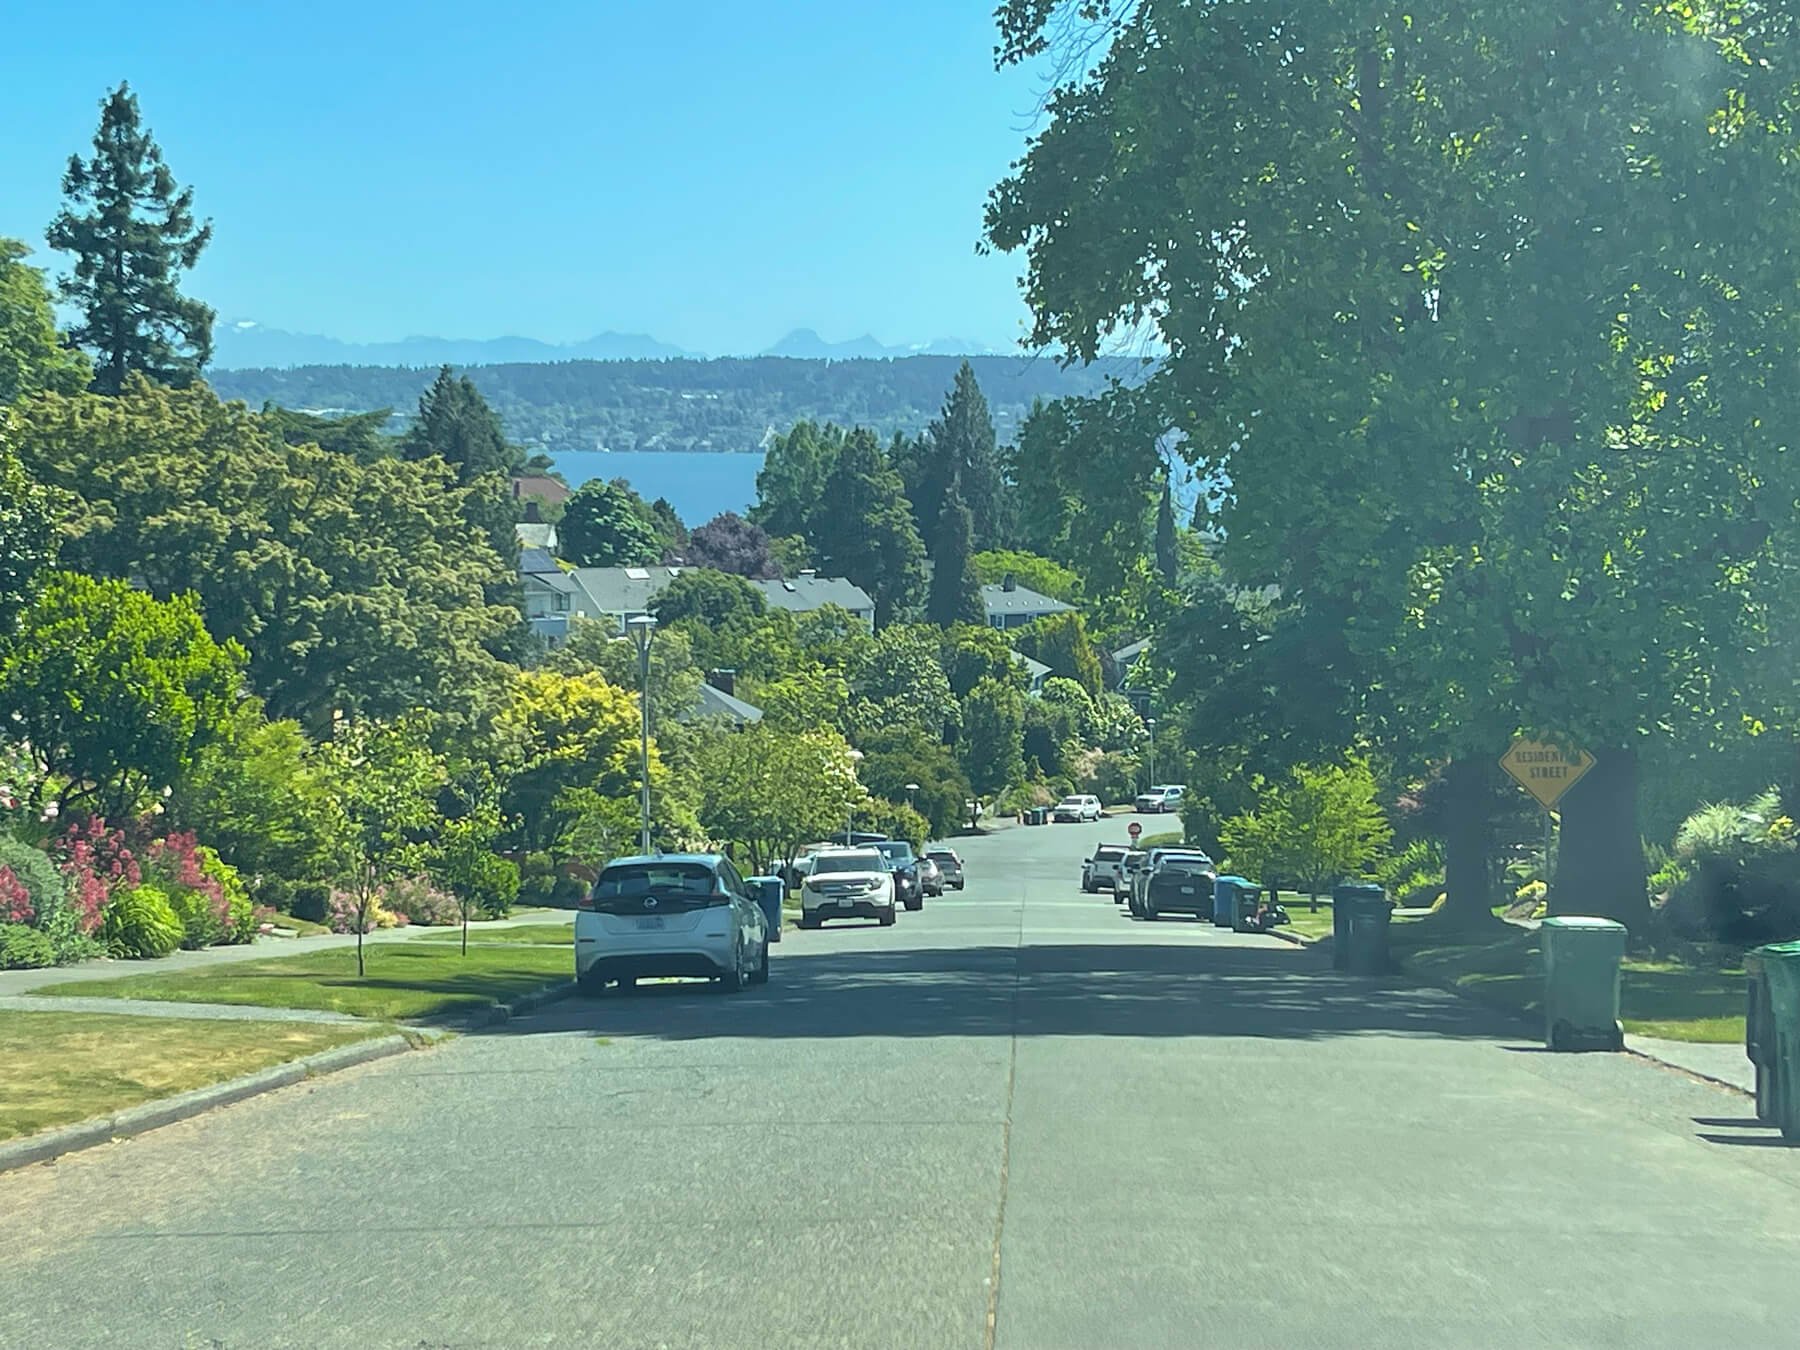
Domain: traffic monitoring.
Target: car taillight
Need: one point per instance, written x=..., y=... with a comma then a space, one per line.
x=586, y=901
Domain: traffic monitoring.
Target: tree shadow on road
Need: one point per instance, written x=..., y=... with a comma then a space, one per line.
x=1112, y=989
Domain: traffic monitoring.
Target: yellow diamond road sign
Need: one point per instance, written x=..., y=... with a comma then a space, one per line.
x=1545, y=771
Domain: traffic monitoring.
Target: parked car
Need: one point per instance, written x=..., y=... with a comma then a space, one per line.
x=1102, y=868
x=847, y=883
x=950, y=863
x=904, y=864
x=674, y=914
x=1181, y=883
x=1077, y=809
x=1129, y=866
x=1157, y=800
x=931, y=876
x=1153, y=860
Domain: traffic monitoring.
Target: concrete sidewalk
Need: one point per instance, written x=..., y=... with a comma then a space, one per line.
x=1724, y=1063
x=14, y=982
x=144, y=1007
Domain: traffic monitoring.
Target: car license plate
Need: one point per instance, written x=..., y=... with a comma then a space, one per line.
x=1187, y=890
x=650, y=921
x=846, y=901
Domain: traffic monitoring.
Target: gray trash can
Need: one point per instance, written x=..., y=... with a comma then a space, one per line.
x=1344, y=899
x=1225, y=900
x=1581, y=983
x=1246, y=896
x=1365, y=921
x=1759, y=1033
x=769, y=892
x=1781, y=974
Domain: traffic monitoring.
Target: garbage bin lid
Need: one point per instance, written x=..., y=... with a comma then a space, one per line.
x=1586, y=922
x=1781, y=951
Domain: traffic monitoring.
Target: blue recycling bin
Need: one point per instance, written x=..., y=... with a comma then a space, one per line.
x=769, y=892
x=1225, y=893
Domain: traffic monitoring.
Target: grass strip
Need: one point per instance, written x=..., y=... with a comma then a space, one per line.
x=539, y=934
x=58, y=1068
x=404, y=980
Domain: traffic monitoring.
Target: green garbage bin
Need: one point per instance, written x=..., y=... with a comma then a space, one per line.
x=1759, y=1034
x=1581, y=983
x=1781, y=974
x=1344, y=900
x=1367, y=912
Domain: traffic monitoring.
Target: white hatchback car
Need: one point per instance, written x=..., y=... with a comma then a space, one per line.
x=847, y=883
x=672, y=914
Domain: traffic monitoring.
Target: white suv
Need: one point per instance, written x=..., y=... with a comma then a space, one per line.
x=1103, y=869
x=672, y=914
x=1078, y=809
x=847, y=883
x=1157, y=800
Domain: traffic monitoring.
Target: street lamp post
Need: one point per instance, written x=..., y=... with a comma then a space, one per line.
x=1150, y=726
x=642, y=628
x=910, y=789
x=850, y=810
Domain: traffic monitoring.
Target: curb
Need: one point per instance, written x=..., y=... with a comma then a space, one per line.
x=528, y=1003
x=1689, y=1073
x=137, y=1120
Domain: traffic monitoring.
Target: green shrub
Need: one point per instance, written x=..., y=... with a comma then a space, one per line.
x=1414, y=875
x=493, y=886
x=275, y=892
x=312, y=901
x=537, y=879
x=417, y=901
x=202, y=917
x=23, y=948
x=42, y=882
x=140, y=922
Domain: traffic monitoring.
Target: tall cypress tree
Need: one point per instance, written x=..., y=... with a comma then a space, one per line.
x=959, y=449
x=867, y=535
x=456, y=423
x=1168, y=561
x=132, y=231
x=955, y=594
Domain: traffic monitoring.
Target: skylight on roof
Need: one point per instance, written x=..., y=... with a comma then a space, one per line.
x=638, y=573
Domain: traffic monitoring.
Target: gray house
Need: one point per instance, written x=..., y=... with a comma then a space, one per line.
x=615, y=594
x=549, y=594
x=1010, y=605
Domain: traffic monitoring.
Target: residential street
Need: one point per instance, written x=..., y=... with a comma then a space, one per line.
x=1150, y=1134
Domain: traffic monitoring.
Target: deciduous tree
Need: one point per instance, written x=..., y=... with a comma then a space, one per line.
x=602, y=526
x=32, y=354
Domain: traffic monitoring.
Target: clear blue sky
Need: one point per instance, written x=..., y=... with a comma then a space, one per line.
x=713, y=173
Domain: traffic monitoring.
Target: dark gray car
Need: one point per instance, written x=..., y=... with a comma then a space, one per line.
x=950, y=863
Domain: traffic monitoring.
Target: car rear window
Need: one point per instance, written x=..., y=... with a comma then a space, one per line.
x=941, y=856
x=869, y=861
x=1108, y=853
x=897, y=850
x=625, y=887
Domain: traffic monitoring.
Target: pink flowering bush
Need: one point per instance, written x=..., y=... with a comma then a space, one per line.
x=198, y=899
x=416, y=900
x=96, y=862
x=15, y=900
x=340, y=914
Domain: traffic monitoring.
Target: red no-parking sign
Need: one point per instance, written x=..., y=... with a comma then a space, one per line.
x=1134, y=830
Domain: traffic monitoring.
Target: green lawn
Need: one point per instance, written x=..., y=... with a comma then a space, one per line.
x=1657, y=998
x=1163, y=839
x=562, y=934
x=57, y=1068
x=1306, y=921
x=404, y=980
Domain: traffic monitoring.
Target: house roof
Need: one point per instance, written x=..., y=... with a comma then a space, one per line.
x=1126, y=655
x=629, y=590
x=560, y=582
x=804, y=594
x=537, y=485
x=717, y=703
x=1034, y=667
x=1019, y=600
x=534, y=561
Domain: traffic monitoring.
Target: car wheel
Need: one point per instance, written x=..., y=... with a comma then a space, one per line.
x=761, y=974
x=1118, y=899
x=590, y=983
x=917, y=902
x=733, y=980
x=887, y=919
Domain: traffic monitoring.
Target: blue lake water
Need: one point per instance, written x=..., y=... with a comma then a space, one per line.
x=699, y=486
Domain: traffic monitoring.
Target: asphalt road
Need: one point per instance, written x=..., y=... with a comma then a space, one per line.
x=1017, y=1118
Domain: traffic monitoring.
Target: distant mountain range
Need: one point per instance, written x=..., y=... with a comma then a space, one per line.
x=245, y=344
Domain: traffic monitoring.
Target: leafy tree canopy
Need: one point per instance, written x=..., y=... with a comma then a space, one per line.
x=1031, y=570
x=32, y=354
x=868, y=535
x=113, y=691
x=729, y=543
x=605, y=525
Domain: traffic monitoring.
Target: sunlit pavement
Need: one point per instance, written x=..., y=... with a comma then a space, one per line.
x=1150, y=1134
